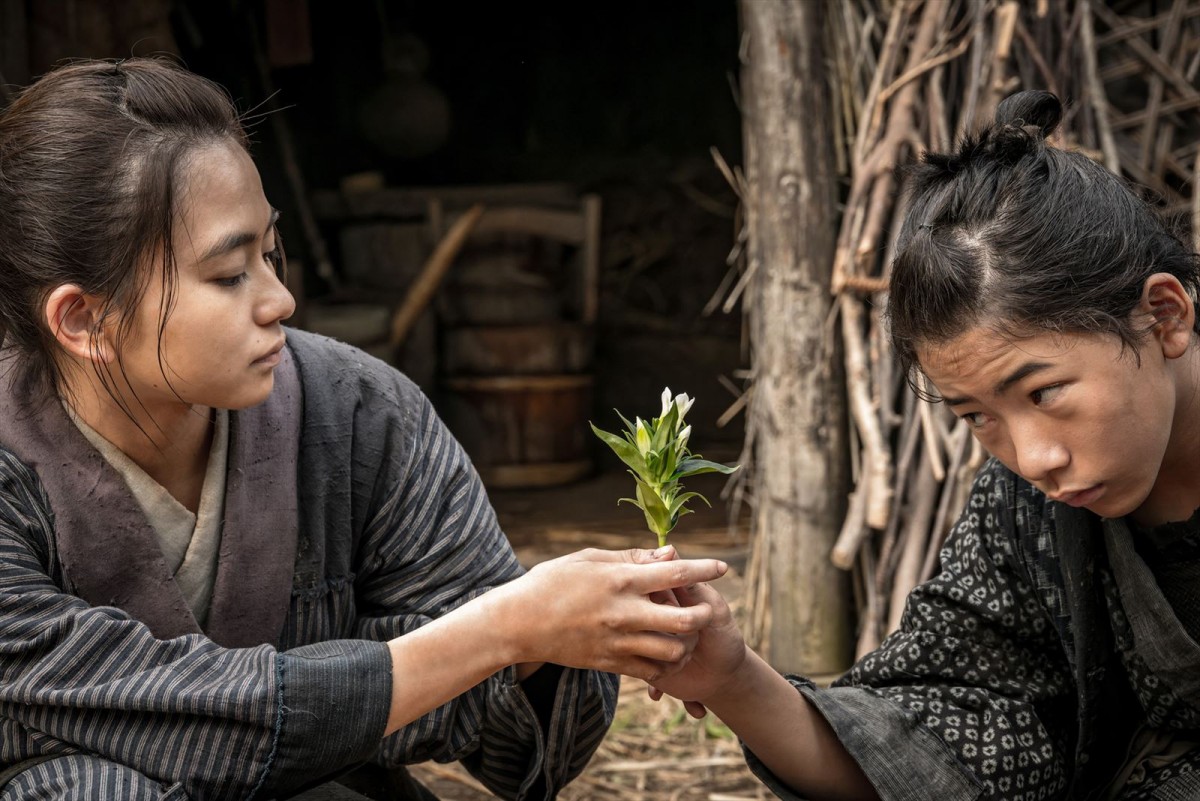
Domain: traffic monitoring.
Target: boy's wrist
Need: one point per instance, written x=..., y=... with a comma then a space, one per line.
x=742, y=686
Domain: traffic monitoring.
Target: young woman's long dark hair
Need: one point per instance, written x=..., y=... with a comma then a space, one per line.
x=1011, y=233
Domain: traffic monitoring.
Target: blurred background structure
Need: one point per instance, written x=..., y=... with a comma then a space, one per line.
x=585, y=134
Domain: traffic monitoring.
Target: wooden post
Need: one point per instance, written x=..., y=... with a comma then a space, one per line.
x=798, y=409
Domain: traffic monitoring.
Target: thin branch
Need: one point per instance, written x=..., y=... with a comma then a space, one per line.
x=1099, y=101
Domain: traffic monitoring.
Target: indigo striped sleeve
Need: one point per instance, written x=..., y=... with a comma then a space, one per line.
x=435, y=544
x=220, y=723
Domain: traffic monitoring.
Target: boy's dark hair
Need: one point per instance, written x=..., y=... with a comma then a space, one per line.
x=1022, y=237
x=90, y=159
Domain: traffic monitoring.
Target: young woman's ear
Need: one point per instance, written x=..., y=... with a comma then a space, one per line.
x=73, y=317
x=1173, y=312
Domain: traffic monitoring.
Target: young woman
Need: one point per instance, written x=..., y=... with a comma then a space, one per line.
x=1057, y=655
x=236, y=560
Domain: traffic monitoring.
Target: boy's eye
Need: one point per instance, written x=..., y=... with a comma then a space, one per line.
x=975, y=419
x=1045, y=394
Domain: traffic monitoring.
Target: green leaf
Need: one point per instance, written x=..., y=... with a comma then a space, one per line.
x=664, y=428
x=628, y=425
x=678, y=503
x=696, y=466
x=653, y=465
x=624, y=450
x=657, y=514
x=667, y=468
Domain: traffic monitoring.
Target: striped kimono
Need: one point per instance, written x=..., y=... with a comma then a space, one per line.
x=351, y=517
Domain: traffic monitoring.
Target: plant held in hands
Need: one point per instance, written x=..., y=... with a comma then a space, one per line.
x=657, y=455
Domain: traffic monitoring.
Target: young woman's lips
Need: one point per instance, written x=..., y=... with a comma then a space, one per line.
x=272, y=358
x=1082, y=497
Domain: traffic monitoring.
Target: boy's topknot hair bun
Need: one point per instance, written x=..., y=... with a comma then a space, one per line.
x=1036, y=112
x=1023, y=121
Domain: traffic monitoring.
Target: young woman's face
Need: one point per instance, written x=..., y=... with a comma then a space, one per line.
x=1071, y=413
x=223, y=335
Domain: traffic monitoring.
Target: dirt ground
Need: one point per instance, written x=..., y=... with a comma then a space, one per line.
x=653, y=750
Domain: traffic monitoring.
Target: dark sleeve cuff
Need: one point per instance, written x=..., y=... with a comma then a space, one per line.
x=902, y=759
x=335, y=698
x=584, y=705
x=527, y=759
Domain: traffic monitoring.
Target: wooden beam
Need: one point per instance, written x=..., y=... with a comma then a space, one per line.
x=413, y=202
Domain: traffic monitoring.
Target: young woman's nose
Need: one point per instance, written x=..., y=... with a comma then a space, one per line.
x=1038, y=452
x=276, y=302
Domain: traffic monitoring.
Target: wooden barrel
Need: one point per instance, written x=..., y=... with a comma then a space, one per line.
x=522, y=430
x=364, y=325
x=527, y=349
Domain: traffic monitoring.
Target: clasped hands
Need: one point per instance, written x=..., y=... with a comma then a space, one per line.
x=646, y=614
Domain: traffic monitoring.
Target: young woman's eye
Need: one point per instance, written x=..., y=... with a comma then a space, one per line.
x=274, y=259
x=232, y=280
x=1045, y=394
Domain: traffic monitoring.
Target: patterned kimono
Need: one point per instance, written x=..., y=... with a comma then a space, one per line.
x=1032, y=667
x=351, y=517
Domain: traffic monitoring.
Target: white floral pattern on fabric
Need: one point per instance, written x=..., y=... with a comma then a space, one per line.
x=980, y=692
x=978, y=661
x=1164, y=709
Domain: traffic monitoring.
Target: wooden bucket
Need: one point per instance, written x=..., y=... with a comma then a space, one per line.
x=522, y=430
x=528, y=349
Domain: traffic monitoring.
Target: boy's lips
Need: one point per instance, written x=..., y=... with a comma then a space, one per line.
x=1080, y=497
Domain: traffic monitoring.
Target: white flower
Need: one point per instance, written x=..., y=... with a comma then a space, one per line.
x=682, y=403
x=666, y=402
x=683, y=438
x=643, y=437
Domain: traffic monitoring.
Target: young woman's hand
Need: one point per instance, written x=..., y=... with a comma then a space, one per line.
x=593, y=609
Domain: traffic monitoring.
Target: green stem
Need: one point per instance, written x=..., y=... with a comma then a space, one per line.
x=662, y=538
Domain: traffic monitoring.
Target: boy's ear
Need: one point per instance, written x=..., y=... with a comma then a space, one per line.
x=1172, y=310
x=73, y=317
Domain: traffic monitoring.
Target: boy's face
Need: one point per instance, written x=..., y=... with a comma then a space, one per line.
x=1085, y=422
